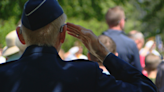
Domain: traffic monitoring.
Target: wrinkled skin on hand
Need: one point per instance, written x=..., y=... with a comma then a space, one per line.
x=89, y=39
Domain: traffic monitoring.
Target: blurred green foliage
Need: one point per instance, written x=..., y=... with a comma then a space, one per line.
x=5, y=27
x=152, y=17
x=143, y=15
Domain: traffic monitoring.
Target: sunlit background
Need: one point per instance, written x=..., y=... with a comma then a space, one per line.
x=142, y=15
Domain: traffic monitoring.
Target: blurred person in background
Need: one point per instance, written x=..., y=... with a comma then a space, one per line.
x=126, y=47
x=71, y=53
x=150, y=47
x=76, y=52
x=138, y=38
x=2, y=59
x=79, y=54
x=110, y=45
x=160, y=77
x=40, y=68
x=151, y=63
x=14, y=48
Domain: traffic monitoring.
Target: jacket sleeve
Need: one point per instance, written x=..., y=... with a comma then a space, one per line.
x=123, y=78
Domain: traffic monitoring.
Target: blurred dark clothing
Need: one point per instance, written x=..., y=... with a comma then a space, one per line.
x=40, y=69
x=160, y=77
x=126, y=47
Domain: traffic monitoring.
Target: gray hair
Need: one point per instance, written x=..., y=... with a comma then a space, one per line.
x=45, y=36
x=136, y=35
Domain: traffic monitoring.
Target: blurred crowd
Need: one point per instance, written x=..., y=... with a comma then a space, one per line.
x=131, y=47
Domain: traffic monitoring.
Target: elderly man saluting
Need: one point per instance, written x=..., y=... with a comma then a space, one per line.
x=40, y=69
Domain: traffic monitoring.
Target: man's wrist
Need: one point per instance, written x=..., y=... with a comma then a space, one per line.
x=103, y=55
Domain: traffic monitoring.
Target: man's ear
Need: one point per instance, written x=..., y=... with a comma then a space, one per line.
x=137, y=41
x=122, y=23
x=20, y=36
x=63, y=34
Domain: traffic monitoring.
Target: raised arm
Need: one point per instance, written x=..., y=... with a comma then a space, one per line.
x=89, y=39
x=123, y=78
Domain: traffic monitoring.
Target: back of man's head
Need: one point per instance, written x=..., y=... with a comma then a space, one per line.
x=135, y=35
x=151, y=62
x=39, y=26
x=138, y=37
x=108, y=43
x=114, y=15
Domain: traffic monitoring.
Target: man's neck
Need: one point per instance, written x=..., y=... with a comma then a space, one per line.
x=152, y=74
x=116, y=28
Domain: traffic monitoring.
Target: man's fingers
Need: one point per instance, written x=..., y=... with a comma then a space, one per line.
x=70, y=29
x=74, y=35
x=88, y=38
x=82, y=38
x=73, y=29
x=73, y=26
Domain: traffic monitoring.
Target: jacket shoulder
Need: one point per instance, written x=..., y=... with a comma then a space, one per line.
x=7, y=63
x=84, y=63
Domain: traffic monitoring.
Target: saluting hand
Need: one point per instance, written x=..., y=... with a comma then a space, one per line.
x=89, y=39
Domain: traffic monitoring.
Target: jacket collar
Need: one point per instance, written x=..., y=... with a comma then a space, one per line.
x=39, y=49
x=116, y=31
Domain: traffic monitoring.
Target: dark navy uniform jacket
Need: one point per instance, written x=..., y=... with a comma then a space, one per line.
x=126, y=47
x=40, y=69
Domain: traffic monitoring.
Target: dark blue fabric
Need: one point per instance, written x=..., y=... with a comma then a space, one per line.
x=160, y=77
x=126, y=47
x=45, y=14
x=40, y=69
